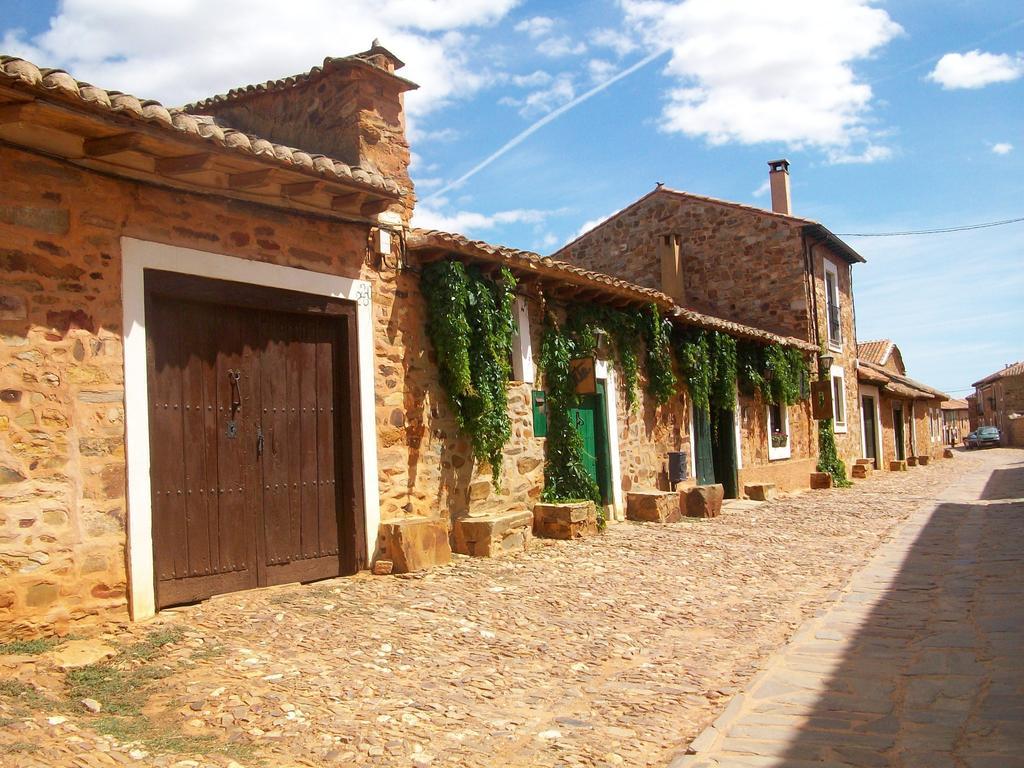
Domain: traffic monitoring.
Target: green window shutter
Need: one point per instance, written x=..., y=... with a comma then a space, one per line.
x=540, y=413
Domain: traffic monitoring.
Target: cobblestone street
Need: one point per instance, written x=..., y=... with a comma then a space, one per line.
x=617, y=650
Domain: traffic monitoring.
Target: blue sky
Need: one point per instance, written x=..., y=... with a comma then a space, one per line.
x=895, y=116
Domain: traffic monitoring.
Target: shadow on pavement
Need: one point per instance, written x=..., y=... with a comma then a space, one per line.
x=932, y=675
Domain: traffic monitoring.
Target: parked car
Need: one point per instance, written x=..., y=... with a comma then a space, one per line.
x=982, y=436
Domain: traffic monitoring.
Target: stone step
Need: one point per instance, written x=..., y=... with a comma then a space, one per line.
x=862, y=471
x=703, y=500
x=494, y=535
x=415, y=543
x=897, y=466
x=569, y=520
x=821, y=480
x=760, y=491
x=653, y=506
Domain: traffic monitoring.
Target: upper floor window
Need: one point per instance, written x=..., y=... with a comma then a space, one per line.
x=839, y=398
x=835, y=326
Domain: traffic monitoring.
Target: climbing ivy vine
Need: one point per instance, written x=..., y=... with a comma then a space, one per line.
x=828, y=455
x=584, y=320
x=778, y=374
x=470, y=324
x=708, y=361
x=565, y=477
x=661, y=379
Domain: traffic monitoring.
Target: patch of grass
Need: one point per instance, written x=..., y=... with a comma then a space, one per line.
x=5, y=721
x=25, y=695
x=162, y=740
x=213, y=652
x=29, y=647
x=146, y=649
x=18, y=747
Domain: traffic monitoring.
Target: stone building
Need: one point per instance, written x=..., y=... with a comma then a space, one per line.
x=769, y=269
x=901, y=418
x=214, y=367
x=1000, y=403
x=956, y=422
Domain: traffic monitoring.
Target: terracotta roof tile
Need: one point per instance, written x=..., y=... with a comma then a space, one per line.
x=876, y=352
x=954, y=405
x=423, y=239
x=56, y=83
x=895, y=383
x=1014, y=369
x=330, y=63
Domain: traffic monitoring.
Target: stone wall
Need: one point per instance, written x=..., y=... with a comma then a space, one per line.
x=737, y=263
x=849, y=444
x=62, y=462
x=787, y=474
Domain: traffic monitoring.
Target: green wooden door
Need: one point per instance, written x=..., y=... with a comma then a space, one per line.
x=723, y=452
x=702, y=456
x=588, y=418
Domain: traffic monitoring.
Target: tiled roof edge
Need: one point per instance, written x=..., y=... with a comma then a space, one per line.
x=49, y=83
x=421, y=238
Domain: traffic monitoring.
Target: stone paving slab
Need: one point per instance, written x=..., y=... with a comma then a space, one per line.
x=615, y=650
x=916, y=664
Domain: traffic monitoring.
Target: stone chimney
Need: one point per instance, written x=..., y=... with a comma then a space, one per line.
x=351, y=109
x=778, y=178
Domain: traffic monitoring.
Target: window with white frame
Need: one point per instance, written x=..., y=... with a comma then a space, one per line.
x=832, y=312
x=778, y=432
x=522, y=347
x=839, y=398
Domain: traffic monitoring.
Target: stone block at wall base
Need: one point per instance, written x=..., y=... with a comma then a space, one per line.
x=415, y=544
x=911, y=461
x=821, y=480
x=861, y=471
x=493, y=535
x=897, y=466
x=569, y=520
x=703, y=501
x=869, y=462
x=947, y=453
x=923, y=460
x=653, y=506
x=760, y=491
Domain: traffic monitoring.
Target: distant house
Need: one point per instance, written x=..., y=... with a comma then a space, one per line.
x=999, y=401
x=902, y=418
x=955, y=421
x=765, y=268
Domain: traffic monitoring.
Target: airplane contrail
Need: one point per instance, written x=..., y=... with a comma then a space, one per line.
x=515, y=141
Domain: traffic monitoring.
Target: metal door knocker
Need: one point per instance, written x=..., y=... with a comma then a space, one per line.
x=236, y=403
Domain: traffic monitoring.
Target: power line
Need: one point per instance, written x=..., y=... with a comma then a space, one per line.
x=963, y=228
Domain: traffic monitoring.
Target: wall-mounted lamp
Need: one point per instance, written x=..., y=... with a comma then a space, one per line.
x=825, y=361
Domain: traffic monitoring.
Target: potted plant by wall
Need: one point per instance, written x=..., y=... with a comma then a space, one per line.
x=779, y=439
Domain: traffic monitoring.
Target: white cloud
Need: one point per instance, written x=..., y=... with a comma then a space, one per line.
x=976, y=69
x=183, y=51
x=559, y=91
x=560, y=45
x=764, y=189
x=768, y=72
x=536, y=26
x=601, y=69
x=615, y=39
x=1002, y=148
x=466, y=222
x=869, y=153
x=534, y=79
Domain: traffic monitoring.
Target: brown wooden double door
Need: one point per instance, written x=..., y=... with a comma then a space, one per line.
x=253, y=443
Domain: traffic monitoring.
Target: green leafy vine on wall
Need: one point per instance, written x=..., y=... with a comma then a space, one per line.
x=777, y=373
x=470, y=324
x=565, y=477
x=624, y=329
x=708, y=362
x=828, y=455
x=661, y=379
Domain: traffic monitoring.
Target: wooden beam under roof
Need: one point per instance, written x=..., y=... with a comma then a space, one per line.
x=174, y=166
x=250, y=179
x=111, y=145
x=16, y=112
x=300, y=188
x=373, y=207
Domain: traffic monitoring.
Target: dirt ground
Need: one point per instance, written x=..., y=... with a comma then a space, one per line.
x=611, y=651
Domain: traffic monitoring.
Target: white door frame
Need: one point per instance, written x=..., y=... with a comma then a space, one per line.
x=611, y=414
x=872, y=392
x=139, y=255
